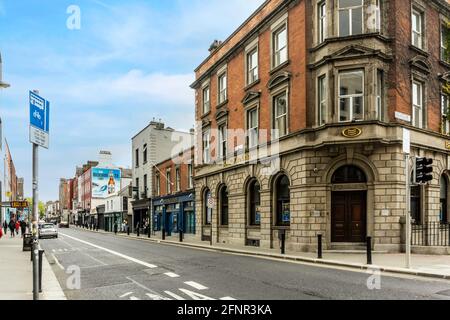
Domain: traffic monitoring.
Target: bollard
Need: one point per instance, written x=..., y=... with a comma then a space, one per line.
x=369, y=250
x=181, y=235
x=149, y=232
x=137, y=231
x=41, y=253
x=319, y=246
x=128, y=230
x=163, y=234
x=283, y=243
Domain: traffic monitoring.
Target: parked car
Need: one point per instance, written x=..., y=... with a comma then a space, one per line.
x=48, y=230
x=64, y=224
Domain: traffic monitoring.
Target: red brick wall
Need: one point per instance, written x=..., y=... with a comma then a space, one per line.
x=236, y=80
x=180, y=161
x=400, y=73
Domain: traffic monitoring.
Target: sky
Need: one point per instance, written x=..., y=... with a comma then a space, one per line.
x=129, y=62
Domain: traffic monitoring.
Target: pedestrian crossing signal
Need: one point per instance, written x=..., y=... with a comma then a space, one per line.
x=423, y=170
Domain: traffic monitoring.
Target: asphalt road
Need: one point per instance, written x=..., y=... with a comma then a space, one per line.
x=116, y=268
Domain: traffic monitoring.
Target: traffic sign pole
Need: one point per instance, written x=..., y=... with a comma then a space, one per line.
x=35, y=219
x=408, y=213
x=35, y=223
x=407, y=152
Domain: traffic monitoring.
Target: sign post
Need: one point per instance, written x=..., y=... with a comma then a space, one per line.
x=407, y=151
x=39, y=136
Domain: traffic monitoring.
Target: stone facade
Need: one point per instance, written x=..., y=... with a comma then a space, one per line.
x=321, y=142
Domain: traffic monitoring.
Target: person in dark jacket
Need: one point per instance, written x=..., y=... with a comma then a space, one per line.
x=5, y=227
x=12, y=228
x=115, y=227
x=23, y=227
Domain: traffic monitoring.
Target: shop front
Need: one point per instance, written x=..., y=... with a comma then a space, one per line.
x=141, y=209
x=174, y=213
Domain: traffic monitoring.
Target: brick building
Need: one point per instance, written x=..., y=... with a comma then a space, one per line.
x=300, y=117
x=173, y=200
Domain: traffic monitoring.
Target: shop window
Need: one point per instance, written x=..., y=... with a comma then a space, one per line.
x=443, y=217
x=207, y=208
x=223, y=200
x=254, y=200
x=282, y=201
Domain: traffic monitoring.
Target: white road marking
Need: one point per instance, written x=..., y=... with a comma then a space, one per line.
x=227, y=298
x=60, y=250
x=95, y=259
x=53, y=250
x=143, y=263
x=134, y=298
x=126, y=294
x=66, y=250
x=156, y=296
x=195, y=295
x=196, y=285
x=152, y=294
x=172, y=275
x=173, y=295
x=57, y=262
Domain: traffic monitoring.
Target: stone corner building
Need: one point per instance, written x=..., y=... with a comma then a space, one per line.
x=332, y=84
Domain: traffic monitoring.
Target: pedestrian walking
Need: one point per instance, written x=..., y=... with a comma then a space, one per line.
x=23, y=227
x=17, y=227
x=5, y=227
x=12, y=228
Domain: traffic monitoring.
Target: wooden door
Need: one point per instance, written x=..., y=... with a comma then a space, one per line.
x=348, y=216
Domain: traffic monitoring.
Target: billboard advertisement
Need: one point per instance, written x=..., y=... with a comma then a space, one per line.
x=105, y=182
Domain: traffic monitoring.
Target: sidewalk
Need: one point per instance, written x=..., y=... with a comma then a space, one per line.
x=434, y=266
x=16, y=274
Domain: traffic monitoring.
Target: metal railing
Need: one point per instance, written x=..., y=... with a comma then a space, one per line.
x=432, y=234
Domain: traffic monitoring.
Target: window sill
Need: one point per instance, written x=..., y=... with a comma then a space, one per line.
x=220, y=105
x=205, y=114
x=349, y=38
x=281, y=227
x=280, y=67
x=444, y=63
x=224, y=227
x=254, y=227
x=419, y=51
x=251, y=85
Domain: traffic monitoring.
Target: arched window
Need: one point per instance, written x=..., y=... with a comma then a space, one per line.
x=416, y=202
x=349, y=174
x=254, y=201
x=282, y=201
x=223, y=201
x=443, y=201
x=207, y=199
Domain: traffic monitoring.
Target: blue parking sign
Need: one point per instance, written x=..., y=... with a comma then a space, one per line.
x=39, y=112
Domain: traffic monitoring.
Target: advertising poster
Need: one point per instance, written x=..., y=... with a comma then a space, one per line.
x=105, y=182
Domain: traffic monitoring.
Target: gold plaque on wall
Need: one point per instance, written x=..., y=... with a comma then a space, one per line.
x=447, y=145
x=351, y=132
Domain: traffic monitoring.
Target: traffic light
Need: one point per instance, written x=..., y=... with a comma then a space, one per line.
x=423, y=170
